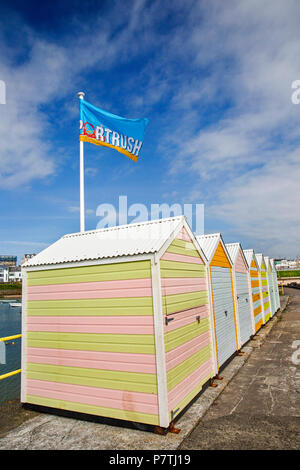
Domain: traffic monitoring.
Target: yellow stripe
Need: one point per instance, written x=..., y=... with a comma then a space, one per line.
x=94, y=410
x=9, y=374
x=7, y=338
x=143, y=344
x=85, y=138
x=116, y=380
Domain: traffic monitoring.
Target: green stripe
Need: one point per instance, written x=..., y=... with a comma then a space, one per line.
x=178, y=302
x=94, y=410
x=186, y=400
x=187, y=367
x=266, y=305
x=178, y=269
x=268, y=317
x=92, y=342
x=103, y=272
x=175, y=338
x=114, y=306
x=182, y=247
x=117, y=380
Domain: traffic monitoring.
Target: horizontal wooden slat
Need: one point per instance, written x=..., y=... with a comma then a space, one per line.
x=102, y=272
x=94, y=410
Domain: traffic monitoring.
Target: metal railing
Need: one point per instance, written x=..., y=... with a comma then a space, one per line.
x=14, y=372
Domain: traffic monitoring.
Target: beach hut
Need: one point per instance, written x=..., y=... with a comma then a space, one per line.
x=242, y=291
x=222, y=296
x=270, y=285
x=116, y=323
x=255, y=288
x=275, y=284
x=264, y=287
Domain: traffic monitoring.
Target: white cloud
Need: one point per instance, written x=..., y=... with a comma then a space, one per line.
x=248, y=158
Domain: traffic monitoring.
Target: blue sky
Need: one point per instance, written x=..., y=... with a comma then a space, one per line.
x=214, y=79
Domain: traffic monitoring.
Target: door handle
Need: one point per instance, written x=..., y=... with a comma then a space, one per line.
x=226, y=313
x=198, y=318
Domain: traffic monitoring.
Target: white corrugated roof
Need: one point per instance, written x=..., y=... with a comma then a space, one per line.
x=208, y=243
x=123, y=240
x=249, y=254
x=233, y=249
x=272, y=263
x=260, y=258
x=267, y=259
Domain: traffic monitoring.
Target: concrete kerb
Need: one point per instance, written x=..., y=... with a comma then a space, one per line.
x=65, y=433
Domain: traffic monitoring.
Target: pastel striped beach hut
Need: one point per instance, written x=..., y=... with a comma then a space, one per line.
x=222, y=296
x=270, y=285
x=275, y=284
x=242, y=291
x=116, y=323
x=264, y=287
x=255, y=288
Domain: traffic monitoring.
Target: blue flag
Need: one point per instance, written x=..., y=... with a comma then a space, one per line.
x=100, y=127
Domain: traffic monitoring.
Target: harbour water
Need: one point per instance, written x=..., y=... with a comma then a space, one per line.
x=10, y=351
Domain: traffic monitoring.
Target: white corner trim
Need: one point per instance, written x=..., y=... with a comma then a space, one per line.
x=237, y=312
x=23, y=339
x=211, y=320
x=162, y=390
x=251, y=301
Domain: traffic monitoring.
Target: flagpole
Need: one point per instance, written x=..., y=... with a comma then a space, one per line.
x=82, y=221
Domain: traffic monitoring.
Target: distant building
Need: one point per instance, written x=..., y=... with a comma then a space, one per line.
x=27, y=257
x=283, y=264
x=8, y=260
x=3, y=273
x=14, y=274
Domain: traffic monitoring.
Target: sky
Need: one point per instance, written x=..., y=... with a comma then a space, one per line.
x=214, y=79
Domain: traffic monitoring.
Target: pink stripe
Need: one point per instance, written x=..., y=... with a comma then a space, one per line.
x=98, y=325
x=98, y=285
x=118, y=399
x=189, y=383
x=184, y=281
x=186, y=317
x=81, y=293
x=182, y=289
x=240, y=265
x=184, y=351
x=170, y=355
x=183, y=235
x=182, y=258
x=144, y=363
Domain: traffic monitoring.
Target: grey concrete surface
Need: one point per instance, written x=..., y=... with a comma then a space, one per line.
x=49, y=432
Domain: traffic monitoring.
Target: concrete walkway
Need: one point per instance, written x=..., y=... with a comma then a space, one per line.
x=262, y=384
x=260, y=408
